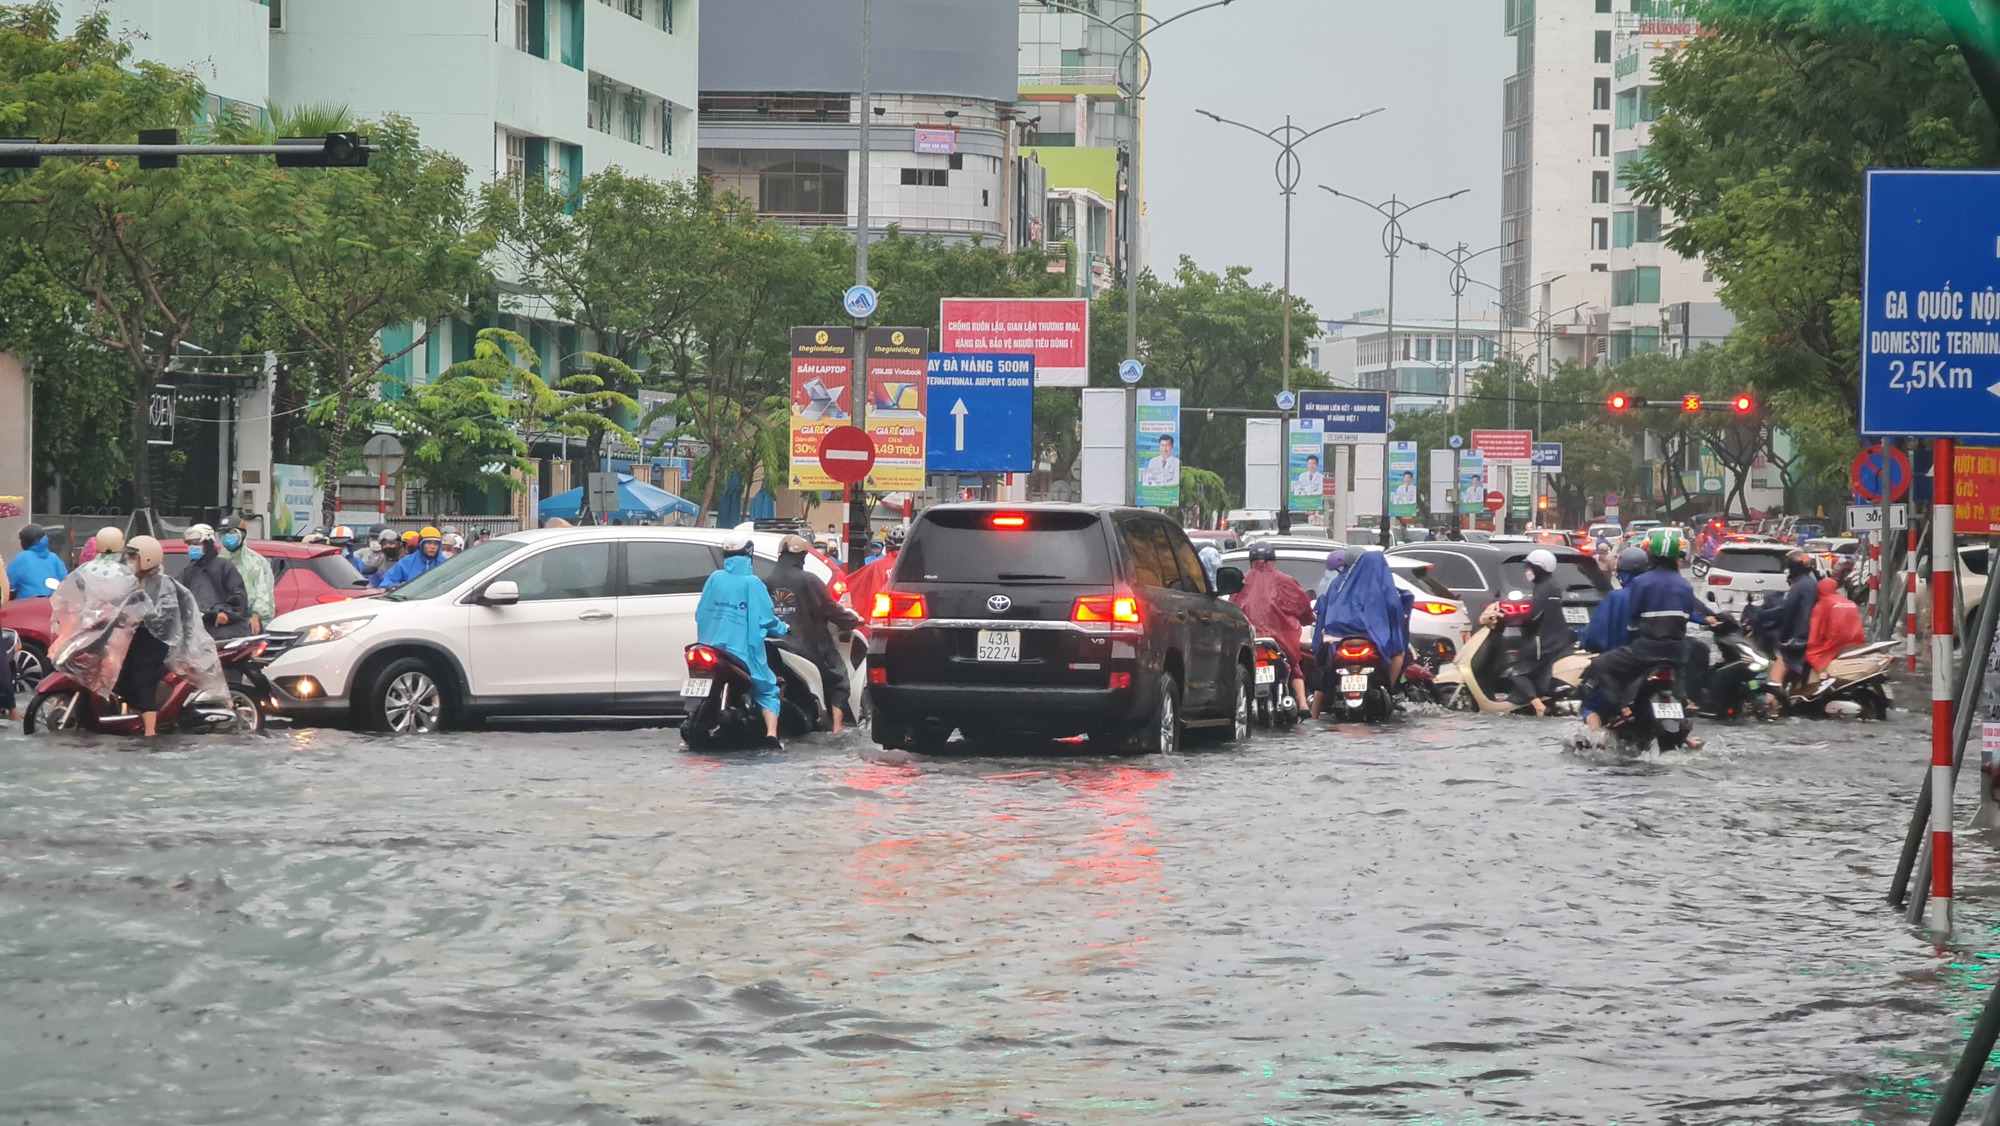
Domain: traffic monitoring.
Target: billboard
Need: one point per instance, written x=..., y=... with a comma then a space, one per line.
x=1348, y=417
x=822, y=376
x=1471, y=483
x=1159, y=448
x=1403, y=502
x=1976, y=490
x=897, y=379
x=1504, y=445
x=1054, y=330
x=1442, y=481
x=1308, y=479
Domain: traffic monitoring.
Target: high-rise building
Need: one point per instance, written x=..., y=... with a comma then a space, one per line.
x=780, y=86
x=1080, y=127
x=1660, y=301
x=1556, y=177
x=224, y=43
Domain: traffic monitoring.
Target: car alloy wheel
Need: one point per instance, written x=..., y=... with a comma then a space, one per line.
x=29, y=669
x=1239, y=726
x=1166, y=734
x=411, y=703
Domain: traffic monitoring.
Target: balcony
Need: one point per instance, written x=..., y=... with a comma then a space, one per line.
x=1044, y=82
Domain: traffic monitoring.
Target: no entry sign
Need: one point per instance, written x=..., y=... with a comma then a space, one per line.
x=847, y=454
x=1495, y=501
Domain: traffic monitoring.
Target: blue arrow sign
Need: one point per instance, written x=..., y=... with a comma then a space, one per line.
x=980, y=413
x=1930, y=316
x=860, y=301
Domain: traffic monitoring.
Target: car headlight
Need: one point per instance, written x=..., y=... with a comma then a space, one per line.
x=330, y=631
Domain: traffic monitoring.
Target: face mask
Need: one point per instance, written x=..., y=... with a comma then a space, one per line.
x=194, y=553
x=232, y=542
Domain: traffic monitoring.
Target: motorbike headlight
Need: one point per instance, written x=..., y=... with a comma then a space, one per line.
x=330, y=631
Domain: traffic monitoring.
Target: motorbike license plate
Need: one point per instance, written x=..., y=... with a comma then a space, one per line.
x=999, y=645
x=696, y=689
x=1267, y=674
x=1576, y=615
x=1357, y=683
x=1668, y=709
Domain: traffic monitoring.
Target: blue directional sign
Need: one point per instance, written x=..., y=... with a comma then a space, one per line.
x=1131, y=371
x=860, y=301
x=980, y=413
x=1348, y=417
x=1930, y=316
x=1548, y=456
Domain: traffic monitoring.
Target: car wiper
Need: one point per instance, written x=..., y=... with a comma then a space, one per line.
x=1025, y=576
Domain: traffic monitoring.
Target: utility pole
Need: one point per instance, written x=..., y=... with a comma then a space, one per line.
x=858, y=529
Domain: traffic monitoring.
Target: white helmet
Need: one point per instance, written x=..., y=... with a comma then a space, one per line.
x=737, y=542
x=1543, y=560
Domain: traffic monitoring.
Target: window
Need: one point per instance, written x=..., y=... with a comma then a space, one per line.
x=1600, y=93
x=666, y=568
x=1145, y=555
x=1645, y=341
x=601, y=100
x=1600, y=187
x=801, y=183
x=667, y=128
x=1599, y=268
x=634, y=8
x=1487, y=349
x=1465, y=348
x=1621, y=347
x=1628, y=109
x=926, y=177
x=1194, y=577
x=1649, y=287
x=1603, y=5
x=1648, y=224
x=1600, y=140
x=577, y=571
x=1162, y=536
x=1624, y=287
x=277, y=15
x=517, y=156
x=956, y=161
x=1622, y=227
x=1453, y=570
x=667, y=15
x=1600, y=233
x=1603, y=51
x=635, y=118
x=1423, y=347
x=520, y=25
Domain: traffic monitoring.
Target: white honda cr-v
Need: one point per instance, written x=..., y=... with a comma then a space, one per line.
x=556, y=622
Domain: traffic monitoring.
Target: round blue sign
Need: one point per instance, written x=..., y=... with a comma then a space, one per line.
x=1457, y=441
x=861, y=301
x=1131, y=371
x=1287, y=400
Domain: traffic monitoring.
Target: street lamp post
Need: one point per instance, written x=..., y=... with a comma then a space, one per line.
x=1288, y=138
x=1458, y=256
x=1392, y=212
x=1140, y=63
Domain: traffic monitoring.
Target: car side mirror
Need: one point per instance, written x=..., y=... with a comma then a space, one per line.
x=1228, y=581
x=505, y=592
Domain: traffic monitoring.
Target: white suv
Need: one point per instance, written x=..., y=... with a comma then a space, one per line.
x=1741, y=574
x=556, y=622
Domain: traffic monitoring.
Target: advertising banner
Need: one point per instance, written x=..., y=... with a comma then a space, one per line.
x=1976, y=490
x=294, y=500
x=1504, y=445
x=897, y=380
x=1307, y=451
x=1348, y=417
x=1403, y=480
x=1471, y=483
x=1263, y=452
x=1549, y=457
x=1054, y=330
x=1367, y=495
x=1159, y=448
x=822, y=375
x=1522, y=492
x=1104, y=446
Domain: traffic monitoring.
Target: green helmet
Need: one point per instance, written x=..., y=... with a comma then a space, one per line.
x=1664, y=543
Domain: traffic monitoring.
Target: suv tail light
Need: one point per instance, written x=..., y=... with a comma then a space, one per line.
x=1118, y=611
x=1719, y=580
x=1437, y=609
x=1356, y=651
x=1516, y=609
x=1010, y=521
x=899, y=606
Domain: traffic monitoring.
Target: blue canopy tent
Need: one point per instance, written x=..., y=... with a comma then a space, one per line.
x=636, y=501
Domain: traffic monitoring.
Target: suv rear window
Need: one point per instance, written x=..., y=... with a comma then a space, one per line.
x=967, y=547
x=1572, y=574
x=1750, y=562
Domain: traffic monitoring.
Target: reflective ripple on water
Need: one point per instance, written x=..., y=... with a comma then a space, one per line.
x=1449, y=921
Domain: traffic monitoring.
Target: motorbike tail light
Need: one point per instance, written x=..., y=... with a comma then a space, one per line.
x=1121, y=680
x=1516, y=609
x=701, y=657
x=1437, y=609
x=1719, y=580
x=1662, y=676
x=878, y=675
x=1119, y=611
x=1357, y=651
x=896, y=605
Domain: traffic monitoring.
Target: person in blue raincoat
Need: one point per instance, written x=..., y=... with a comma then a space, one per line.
x=735, y=615
x=37, y=571
x=1367, y=603
x=429, y=554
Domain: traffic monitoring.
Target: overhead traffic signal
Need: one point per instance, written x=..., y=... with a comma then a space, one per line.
x=1691, y=404
x=1745, y=404
x=1620, y=401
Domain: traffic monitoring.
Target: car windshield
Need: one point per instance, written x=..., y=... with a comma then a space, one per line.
x=967, y=546
x=453, y=571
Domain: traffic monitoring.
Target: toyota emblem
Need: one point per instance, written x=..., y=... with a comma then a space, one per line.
x=999, y=604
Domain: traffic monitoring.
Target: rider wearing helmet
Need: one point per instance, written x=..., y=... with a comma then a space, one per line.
x=811, y=614
x=429, y=553
x=1790, y=625
x=37, y=571
x=735, y=615
x=1661, y=604
x=865, y=584
x=258, y=581
x=1277, y=606
x=1611, y=624
x=216, y=585
x=318, y=537
x=1549, y=637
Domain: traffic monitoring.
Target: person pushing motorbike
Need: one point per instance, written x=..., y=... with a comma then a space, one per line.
x=1789, y=626
x=801, y=600
x=1277, y=606
x=735, y=615
x=1547, y=635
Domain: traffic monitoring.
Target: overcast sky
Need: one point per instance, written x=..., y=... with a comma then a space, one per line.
x=1211, y=193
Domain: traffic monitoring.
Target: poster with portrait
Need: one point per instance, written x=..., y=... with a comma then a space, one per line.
x=1306, y=469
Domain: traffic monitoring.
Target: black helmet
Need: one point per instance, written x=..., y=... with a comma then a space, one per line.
x=1263, y=553
x=31, y=534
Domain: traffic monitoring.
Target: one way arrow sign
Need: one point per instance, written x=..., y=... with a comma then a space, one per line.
x=981, y=413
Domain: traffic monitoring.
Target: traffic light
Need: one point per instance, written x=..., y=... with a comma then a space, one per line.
x=1745, y=404
x=1620, y=401
x=1544, y=504
x=335, y=150
x=1691, y=404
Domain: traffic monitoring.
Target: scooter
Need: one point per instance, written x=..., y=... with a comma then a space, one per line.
x=1274, y=703
x=1358, y=679
x=724, y=714
x=62, y=703
x=1858, y=676
x=1733, y=686
x=1479, y=680
x=1657, y=714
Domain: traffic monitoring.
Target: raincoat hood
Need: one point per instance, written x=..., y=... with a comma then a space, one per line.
x=1368, y=604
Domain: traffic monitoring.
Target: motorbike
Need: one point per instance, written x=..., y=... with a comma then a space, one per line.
x=1733, y=687
x=1482, y=678
x=1273, y=701
x=723, y=712
x=62, y=703
x=1358, y=681
x=1657, y=714
x=1858, y=676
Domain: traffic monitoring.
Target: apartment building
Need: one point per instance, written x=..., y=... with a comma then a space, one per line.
x=1660, y=301
x=1416, y=362
x=1078, y=124
x=1557, y=176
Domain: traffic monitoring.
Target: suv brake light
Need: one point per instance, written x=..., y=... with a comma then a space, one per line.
x=1115, y=610
x=1010, y=521
x=895, y=605
x=1437, y=609
x=1516, y=609
x=1719, y=580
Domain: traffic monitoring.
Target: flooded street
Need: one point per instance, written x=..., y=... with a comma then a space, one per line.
x=1450, y=920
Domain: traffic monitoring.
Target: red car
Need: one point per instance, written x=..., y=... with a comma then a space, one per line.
x=306, y=574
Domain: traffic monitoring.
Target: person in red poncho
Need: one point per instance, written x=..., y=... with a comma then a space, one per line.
x=1277, y=606
x=1836, y=627
x=865, y=584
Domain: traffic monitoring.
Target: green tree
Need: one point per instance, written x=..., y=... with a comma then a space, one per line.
x=457, y=432
x=575, y=406
x=1597, y=459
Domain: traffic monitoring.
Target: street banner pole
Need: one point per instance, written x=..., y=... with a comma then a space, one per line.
x=1943, y=515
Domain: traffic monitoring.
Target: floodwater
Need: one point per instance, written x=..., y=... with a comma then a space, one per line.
x=1448, y=920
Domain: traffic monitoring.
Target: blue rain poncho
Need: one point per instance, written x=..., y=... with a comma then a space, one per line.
x=1368, y=604
x=36, y=572
x=735, y=615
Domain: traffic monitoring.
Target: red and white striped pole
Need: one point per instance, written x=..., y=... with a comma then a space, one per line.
x=1910, y=596
x=1943, y=550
